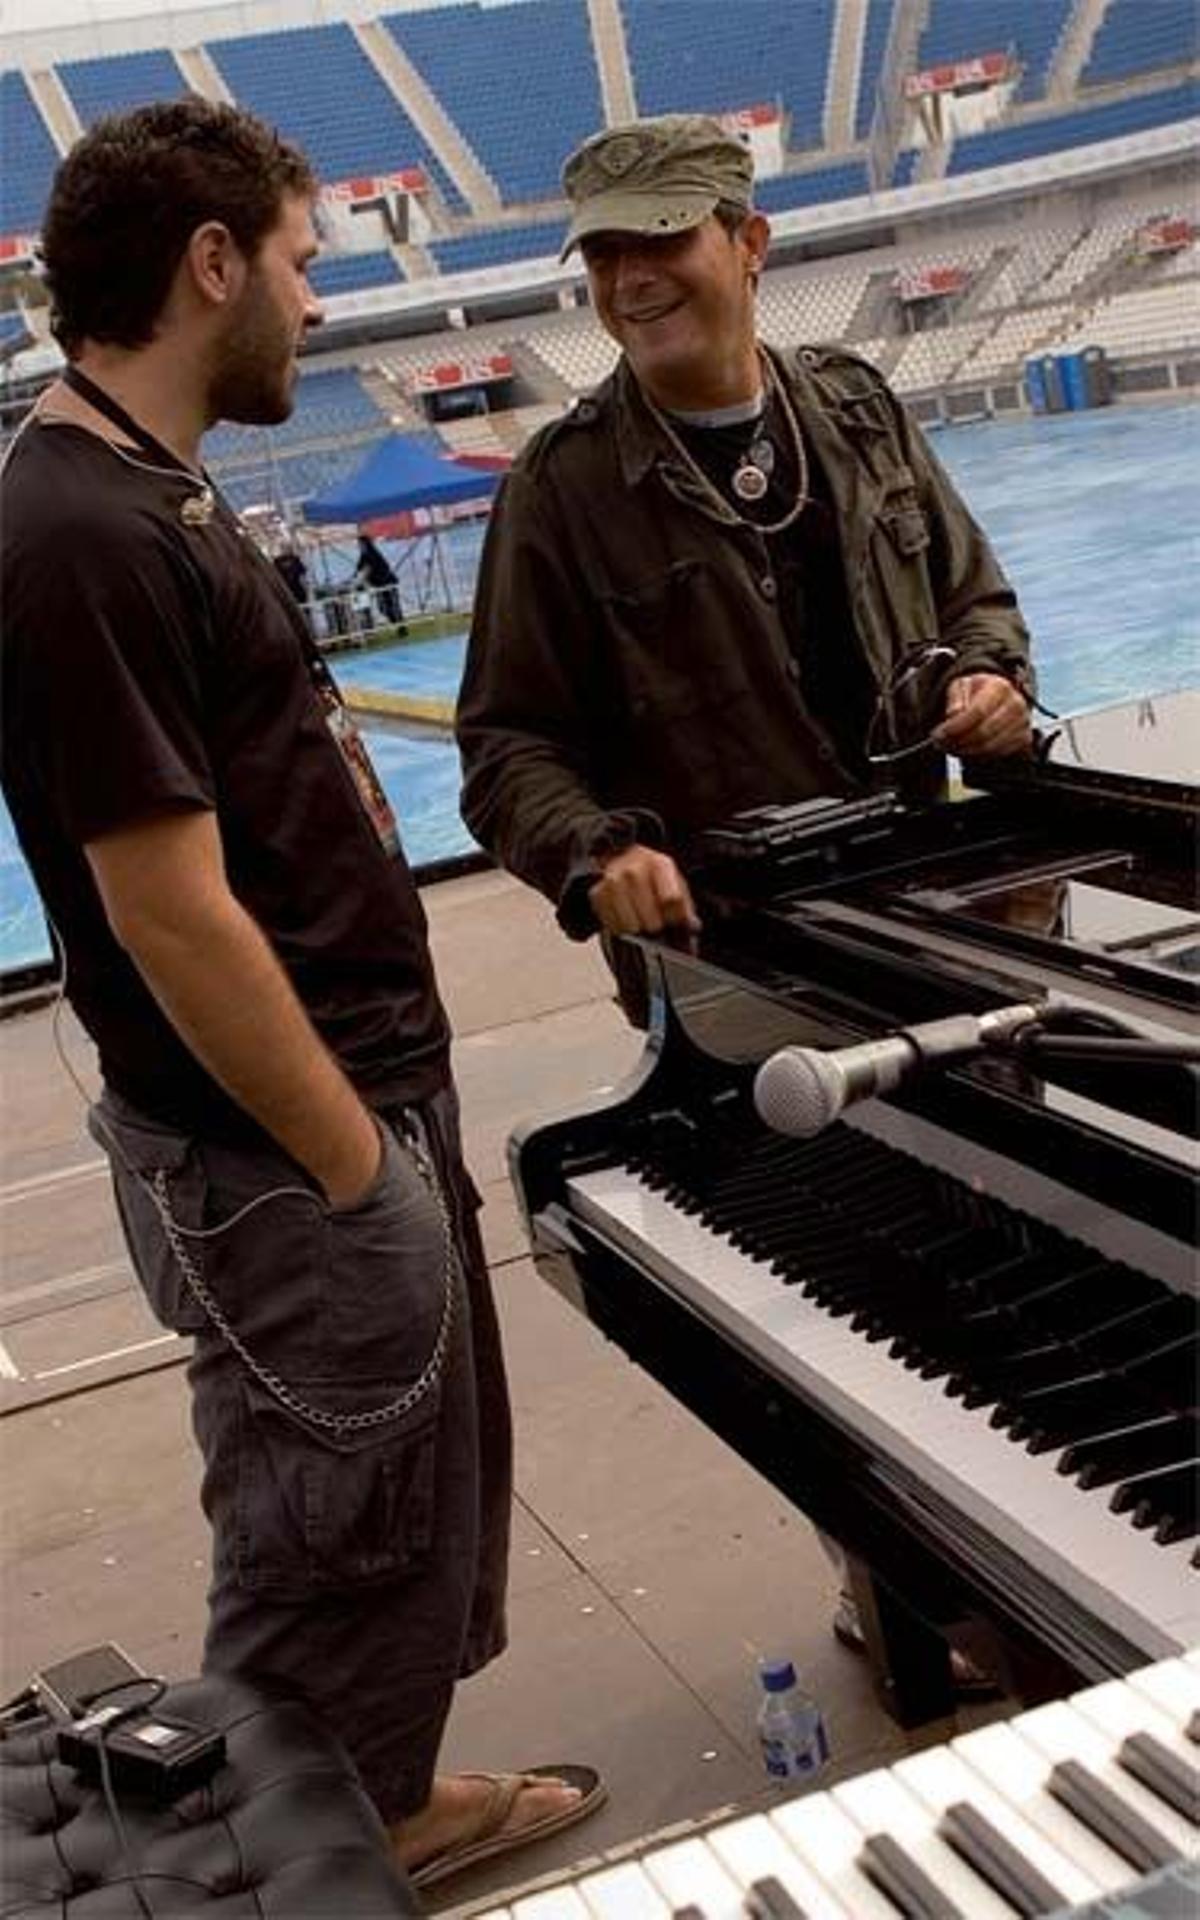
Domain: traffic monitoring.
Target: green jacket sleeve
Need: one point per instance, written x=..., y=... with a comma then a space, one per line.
x=531, y=697
x=977, y=608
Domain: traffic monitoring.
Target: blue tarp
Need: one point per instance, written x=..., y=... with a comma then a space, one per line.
x=399, y=473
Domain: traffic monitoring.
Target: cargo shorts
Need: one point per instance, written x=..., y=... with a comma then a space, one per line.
x=358, y=1485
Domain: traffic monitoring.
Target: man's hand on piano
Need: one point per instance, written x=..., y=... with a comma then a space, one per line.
x=642, y=891
x=985, y=715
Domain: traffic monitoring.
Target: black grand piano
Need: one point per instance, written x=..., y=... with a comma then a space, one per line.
x=956, y=1326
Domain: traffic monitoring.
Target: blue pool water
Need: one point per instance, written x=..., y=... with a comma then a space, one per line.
x=430, y=668
x=1095, y=517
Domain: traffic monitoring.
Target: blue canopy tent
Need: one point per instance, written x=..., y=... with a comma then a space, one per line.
x=397, y=475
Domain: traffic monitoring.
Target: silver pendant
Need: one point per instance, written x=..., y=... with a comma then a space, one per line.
x=197, y=510
x=749, y=481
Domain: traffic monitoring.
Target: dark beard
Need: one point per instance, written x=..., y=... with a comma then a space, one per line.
x=250, y=396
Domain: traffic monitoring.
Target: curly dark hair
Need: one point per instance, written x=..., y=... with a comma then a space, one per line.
x=130, y=194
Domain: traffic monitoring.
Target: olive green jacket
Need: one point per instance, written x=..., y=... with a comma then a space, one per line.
x=628, y=674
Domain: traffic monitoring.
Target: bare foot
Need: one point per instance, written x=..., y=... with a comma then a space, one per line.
x=457, y=1810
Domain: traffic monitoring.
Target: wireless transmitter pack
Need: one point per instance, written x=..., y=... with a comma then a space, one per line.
x=151, y=1754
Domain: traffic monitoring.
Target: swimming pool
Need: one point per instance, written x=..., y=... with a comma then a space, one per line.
x=1095, y=517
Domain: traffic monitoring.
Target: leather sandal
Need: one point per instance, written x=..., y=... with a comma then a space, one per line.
x=491, y=1835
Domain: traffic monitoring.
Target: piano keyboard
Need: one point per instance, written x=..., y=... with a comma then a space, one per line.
x=992, y=1364
x=1042, y=1814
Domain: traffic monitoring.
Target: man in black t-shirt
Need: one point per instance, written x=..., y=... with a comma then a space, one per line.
x=241, y=936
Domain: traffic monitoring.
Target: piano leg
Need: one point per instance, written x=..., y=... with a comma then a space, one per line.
x=909, y=1660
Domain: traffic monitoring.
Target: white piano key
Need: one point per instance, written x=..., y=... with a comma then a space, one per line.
x=877, y=1803
x=1173, y=1686
x=829, y=1843
x=941, y=1778
x=1012, y=1768
x=687, y=1872
x=1061, y=1733
x=553, y=1903
x=752, y=1848
x=1147, y=1591
x=1119, y=1708
x=622, y=1893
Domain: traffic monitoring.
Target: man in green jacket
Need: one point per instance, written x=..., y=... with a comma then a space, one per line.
x=731, y=577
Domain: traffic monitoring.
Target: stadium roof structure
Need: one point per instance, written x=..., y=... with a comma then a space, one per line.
x=399, y=474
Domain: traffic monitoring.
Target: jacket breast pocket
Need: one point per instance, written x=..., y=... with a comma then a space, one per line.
x=675, y=652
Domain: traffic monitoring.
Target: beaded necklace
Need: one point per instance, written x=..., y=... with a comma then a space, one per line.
x=754, y=465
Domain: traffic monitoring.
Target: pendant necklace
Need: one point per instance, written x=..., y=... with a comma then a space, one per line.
x=752, y=474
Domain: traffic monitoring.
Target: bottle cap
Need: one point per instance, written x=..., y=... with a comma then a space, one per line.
x=777, y=1675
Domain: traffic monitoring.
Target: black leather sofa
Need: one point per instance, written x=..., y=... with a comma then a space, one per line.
x=283, y=1831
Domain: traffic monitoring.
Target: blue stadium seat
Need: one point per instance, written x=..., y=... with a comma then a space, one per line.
x=875, y=34
x=318, y=87
x=15, y=333
x=965, y=29
x=809, y=189
x=1140, y=36
x=498, y=246
x=520, y=83
x=327, y=404
x=28, y=158
x=119, y=81
x=699, y=56
x=293, y=477
x=346, y=272
x=1134, y=114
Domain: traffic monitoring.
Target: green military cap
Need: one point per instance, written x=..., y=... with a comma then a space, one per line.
x=651, y=176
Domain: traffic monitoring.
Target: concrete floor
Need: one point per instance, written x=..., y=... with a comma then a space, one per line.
x=650, y=1566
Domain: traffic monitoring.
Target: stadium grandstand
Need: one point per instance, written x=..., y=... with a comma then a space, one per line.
x=956, y=188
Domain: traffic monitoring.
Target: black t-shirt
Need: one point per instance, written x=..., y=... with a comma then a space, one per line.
x=152, y=660
x=807, y=559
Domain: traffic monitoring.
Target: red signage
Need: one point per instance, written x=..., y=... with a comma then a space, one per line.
x=16, y=246
x=461, y=373
x=1171, y=233
x=372, y=186
x=743, y=117
x=929, y=283
x=982, y=72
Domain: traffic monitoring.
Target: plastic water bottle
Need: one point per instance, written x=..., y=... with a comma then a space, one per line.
x=790, y=1727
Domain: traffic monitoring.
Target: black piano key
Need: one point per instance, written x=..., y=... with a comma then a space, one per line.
x=1192, y=1729
x=1103, y=1812
x=996, y=1860
x=905, y=1883
x=1032, y=1370
x=1165, y=1773
x=1109, y=1457
x=690, y=1912
x=1158, y=1383
x=1168, y=1501
x=1121, y=1339
x=769, y=1899
x=1063, y=1268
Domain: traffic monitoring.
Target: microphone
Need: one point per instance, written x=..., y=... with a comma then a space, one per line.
x=800, y=1090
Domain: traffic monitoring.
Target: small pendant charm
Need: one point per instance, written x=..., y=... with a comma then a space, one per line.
x=197, y=510
x=749, y=481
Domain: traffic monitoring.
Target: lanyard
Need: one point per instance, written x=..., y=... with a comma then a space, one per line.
x=79, y=382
